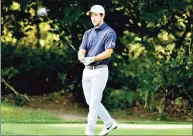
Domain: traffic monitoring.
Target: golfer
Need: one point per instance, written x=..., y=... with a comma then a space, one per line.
x=94, y=52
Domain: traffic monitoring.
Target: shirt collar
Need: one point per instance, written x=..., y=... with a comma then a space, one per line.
x=101, y=27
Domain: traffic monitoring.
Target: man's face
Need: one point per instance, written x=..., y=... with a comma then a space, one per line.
x=96, y=19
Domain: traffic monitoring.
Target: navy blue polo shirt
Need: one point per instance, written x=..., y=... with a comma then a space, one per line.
x=97, y=40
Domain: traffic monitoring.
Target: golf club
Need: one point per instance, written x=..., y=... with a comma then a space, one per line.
x=42, y=12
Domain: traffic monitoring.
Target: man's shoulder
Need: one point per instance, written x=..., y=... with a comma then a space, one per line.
x=110, y=29
x=89, y=31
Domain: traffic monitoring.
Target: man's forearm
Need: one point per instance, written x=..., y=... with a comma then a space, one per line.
x=104, y=55
x=82, y=51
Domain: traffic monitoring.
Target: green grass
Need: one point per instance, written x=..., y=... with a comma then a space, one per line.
x=27, y=121
x=15, y=114
x=62, y=129
x=10, y=113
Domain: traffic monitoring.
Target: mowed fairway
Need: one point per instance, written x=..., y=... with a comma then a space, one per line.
x=78, y=129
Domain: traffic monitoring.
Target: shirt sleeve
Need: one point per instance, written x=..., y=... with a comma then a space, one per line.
x=84, y=41
x=110, y=40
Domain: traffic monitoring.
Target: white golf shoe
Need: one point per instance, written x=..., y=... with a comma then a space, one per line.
x=89, y=133
x=106, y=130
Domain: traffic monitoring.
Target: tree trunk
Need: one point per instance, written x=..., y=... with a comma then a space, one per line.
x=146, y=100
x=13, y=90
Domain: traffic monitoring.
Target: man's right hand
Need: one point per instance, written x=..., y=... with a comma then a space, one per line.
x=80, y=56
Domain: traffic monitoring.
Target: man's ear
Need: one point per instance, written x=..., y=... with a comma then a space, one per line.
x=103, y=16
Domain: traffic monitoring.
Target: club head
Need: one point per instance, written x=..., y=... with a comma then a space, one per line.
x=42, y=12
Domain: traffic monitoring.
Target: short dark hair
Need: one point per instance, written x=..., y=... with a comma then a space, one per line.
x=101, y=14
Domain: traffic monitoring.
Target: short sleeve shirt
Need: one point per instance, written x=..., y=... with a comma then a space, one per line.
x=97, y=40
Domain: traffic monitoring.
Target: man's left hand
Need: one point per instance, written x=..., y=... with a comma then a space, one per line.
x=87, y=60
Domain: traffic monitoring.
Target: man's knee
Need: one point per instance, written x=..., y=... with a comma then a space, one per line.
x=93, y=106
x=88, y=102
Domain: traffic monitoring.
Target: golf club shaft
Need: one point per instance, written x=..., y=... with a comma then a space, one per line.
x=62, y=35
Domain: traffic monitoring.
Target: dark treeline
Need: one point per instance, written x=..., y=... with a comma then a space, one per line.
x=152, y=63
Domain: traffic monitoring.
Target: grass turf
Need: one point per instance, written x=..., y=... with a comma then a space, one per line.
x=14, y=114
x=45, y=124
x=61, y=129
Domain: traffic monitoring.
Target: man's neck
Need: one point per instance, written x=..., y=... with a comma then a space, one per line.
x=99, y=24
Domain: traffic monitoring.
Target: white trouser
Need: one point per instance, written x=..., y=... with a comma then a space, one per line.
x=94, y=82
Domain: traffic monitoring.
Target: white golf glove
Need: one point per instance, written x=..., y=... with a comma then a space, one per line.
x=87, y=60
x=80, y=56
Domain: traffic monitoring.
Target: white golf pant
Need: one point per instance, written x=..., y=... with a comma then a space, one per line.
x=94, y=82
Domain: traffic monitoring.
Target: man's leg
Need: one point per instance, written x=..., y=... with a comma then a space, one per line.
x=87, y=89
x=109, y=123
x=86, y=84
x=87, y=75
x=98, y=83
x=104, y=115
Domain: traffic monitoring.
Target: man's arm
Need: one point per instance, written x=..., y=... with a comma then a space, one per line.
x=82, y=48
x=104, y=55
x=81, y=54
x=82, y=51
x=109, y=46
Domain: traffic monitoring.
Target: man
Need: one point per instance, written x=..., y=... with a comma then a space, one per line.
x=94, y=52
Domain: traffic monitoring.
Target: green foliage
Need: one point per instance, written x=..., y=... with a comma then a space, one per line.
x=9, y=72
x=121, y=98
x=62, y=77
x=52, y=97
x=153, y=52
x=19, y=100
